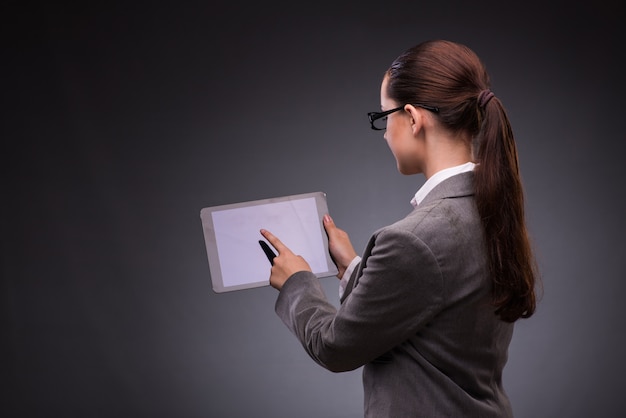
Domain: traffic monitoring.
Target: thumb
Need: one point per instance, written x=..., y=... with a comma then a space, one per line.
x=329, y=224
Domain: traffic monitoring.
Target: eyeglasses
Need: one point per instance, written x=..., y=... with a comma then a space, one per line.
x=378, y=120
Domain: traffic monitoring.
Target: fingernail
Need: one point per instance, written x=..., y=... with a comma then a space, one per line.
x=327, y=218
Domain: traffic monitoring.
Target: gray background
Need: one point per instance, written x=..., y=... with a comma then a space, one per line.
x=121, y=121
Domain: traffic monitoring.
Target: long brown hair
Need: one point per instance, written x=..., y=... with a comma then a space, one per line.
x=451, y=77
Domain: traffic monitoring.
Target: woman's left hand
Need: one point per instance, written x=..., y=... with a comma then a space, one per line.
x=286, y=263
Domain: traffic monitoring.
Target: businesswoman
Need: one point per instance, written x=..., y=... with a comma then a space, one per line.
x=429, y=308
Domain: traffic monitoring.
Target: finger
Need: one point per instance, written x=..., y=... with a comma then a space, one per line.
x=329, y=224
x=276, y=243
x=328, y=221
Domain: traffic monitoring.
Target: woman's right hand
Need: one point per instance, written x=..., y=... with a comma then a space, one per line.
x=339, y=245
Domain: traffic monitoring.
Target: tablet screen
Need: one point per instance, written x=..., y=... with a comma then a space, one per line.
x=237, y=261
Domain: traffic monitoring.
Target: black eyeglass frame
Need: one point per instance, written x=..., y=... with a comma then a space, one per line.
x=374, y=116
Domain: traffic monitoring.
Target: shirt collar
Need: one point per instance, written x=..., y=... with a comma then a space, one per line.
x=437, y=178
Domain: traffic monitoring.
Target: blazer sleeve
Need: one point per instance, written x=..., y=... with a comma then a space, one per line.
x=398, y=289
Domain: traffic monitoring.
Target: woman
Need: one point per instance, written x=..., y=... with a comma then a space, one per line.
x=429, y=308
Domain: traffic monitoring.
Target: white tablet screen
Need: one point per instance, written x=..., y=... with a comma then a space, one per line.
x=236, y=259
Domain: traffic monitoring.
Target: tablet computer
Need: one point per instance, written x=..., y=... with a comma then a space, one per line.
x=232, y=235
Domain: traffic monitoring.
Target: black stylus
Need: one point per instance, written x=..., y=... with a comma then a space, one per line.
x=268, y=251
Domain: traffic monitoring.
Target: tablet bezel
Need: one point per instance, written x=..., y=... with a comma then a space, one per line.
x=215, y=269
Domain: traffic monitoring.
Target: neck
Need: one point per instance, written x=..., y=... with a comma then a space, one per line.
x=446, y=154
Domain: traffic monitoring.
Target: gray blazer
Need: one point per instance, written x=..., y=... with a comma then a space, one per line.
x=416, y=315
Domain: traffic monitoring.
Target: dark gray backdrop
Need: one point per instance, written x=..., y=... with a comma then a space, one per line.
x=121, y=121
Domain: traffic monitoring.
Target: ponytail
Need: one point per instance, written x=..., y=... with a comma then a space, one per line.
x=500, y=202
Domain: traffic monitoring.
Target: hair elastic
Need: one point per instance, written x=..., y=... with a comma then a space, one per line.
x=484, y=97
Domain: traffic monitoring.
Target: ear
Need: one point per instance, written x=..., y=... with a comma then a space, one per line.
x=416, y=116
